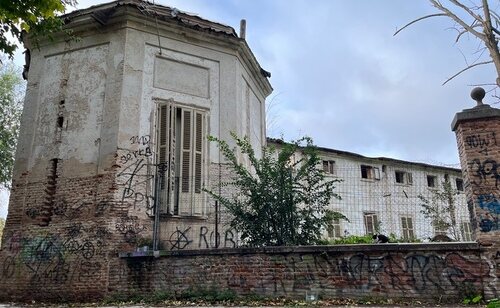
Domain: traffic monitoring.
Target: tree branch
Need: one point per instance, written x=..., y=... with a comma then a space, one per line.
x=460, y=33
x=417, y=20
x=450, y=14
x=465, y=69
x=467, y=9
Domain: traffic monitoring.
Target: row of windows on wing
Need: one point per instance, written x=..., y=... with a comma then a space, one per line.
x=401, y=177
x=371, y=224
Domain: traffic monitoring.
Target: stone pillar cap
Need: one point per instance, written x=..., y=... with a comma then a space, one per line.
x=481, y=111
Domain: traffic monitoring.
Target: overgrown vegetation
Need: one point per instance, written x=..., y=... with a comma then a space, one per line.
x=279, y=199
x=472, y=296
x=440, y=209
x=11, y=88
x=365, y=239
x=2, y=225
x=493, y=303
x=213, y=296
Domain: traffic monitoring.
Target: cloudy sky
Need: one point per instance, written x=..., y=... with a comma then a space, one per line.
x=340, y=76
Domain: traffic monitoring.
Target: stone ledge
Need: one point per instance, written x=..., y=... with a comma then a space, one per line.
x=476, y=113
x=365, y=248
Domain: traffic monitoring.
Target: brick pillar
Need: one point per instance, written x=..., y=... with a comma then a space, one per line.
x=478, y=138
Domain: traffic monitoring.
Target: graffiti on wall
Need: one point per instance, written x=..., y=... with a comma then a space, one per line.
x=76, y=209
x=288, y=274
x=484, y=172
x=488, y=220
x=76, y=254
x=131, y=228
x=182, y=238
x=137, y=173
x=484, y=176
x=481, y=142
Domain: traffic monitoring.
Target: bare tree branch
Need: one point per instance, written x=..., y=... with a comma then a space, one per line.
x=457, y=19
x=465, y=69
x=465, y=31
x=417, y=20
x=468, y=10
x=482, y=27
x=491, y=41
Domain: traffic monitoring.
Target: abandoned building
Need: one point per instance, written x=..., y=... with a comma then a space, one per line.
x=381, y=195
x=115, y=125
x=139, y=91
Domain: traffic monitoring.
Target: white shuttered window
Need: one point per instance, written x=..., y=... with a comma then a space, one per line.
x=181, y=136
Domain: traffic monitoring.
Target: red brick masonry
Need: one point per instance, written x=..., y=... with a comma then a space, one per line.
x=423, y=271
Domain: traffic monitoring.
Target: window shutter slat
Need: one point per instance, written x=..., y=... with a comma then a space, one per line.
x=199, y=132
x=187, y=130
x=186, y=150
x=198, y=154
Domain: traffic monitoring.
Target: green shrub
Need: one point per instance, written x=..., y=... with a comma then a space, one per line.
x=493, y=303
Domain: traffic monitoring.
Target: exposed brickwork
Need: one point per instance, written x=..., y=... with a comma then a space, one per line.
x=92, y=219
x=478, y=140
x=429, y=271
x=67, y=258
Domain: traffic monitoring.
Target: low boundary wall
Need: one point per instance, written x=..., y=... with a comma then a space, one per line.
x=433, y=271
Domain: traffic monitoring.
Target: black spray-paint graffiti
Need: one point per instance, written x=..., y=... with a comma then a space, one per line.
x=482, y=142
x=483, y=171
x=130, y=228
x=56, y=258
x=179, y=239
x=417, y=272
x=50, y=259
x=289, y=274
x=213, y=240
x=136, y=175
x=76, y=209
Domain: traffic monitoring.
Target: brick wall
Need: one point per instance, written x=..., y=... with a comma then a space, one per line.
x=424, y=271
x=63, y=232
x=68, y=258
x=65, y=240
x=478, y=139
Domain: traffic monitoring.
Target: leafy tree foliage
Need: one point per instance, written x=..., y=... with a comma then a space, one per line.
x=278, y=200
x=2, y=225
x=440, y=209
x=11, y=88
x=31, y=16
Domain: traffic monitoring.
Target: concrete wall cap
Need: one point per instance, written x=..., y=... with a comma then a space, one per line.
x=479, y=112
